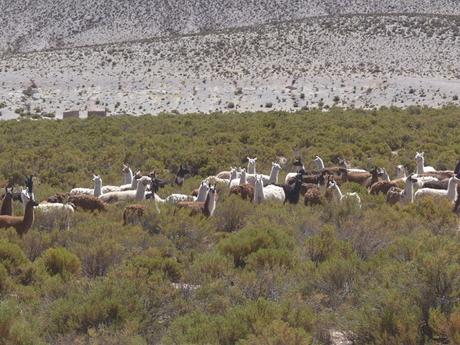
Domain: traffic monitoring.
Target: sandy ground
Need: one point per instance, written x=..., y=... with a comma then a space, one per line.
x=357, y=61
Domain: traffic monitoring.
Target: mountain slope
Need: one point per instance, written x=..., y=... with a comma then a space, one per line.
x=43, y=24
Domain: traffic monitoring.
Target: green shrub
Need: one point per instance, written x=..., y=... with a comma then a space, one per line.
x=61, y=261
x=248, y=241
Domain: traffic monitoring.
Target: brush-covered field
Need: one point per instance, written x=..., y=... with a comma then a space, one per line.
x=268, y=274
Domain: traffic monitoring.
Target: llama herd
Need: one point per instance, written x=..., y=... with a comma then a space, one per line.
x=314, y=186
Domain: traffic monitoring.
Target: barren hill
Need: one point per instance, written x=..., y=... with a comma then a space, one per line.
x=41, y=24
x=237, y=55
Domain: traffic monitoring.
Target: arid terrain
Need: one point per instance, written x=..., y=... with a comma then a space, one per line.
x=244, y=57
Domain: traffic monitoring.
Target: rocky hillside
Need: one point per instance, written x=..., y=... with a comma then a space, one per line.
x=213, y=56
x=43, y=24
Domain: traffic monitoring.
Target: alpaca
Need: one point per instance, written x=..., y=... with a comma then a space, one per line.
x=312, y=197
x=132, y=213
x=420, y=161
x=267, y=180
x=292, y=191
x=340, y=197
x=138, y=194
x=7, y=202
x=291, y=176
x=385, y=176
x=87, y=203
x=222, y=181
x=180, y=175
x=206, y=208
x=96, y=191
x=344, y=164
x=406, y=195
x=129, y=186
x=382, y=187
x=127, y=174
x=21, y=224
x=421, y=178
x=319, y=163
x=57, y=211
x=174, y=198
x=202, y=192
x=245, y=191
x=365, y=179
x=270, y=192
x=450, y=193
x=252, y=165
x=443, y=184
x=241, y=181
x=225, y=175
x=457, y=168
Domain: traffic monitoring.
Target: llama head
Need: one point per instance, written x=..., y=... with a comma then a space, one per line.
x=419, y=156
x=138, y=175
x=298, y=163
x=182, y=171
x=233, y=174
x=27, y=198
x=400, y=171
x=252, y=161
x=9, y=191
x=376, y=171
x=331, y=184
x=29, y=184
x=125, y=169
x=276, y=166
x=144, y=181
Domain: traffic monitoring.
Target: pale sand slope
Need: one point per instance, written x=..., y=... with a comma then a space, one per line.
x=361, y=61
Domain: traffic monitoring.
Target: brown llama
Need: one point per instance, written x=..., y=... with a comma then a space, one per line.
x=246, y=191
x=22, y=224
x=443, y=184
x=313, y=197
x=365, y=179
x=87, y=203
x=383, y=187
x=7, y=203
x=132, y=212
x=83, y=202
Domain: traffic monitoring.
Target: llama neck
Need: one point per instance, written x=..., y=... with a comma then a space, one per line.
x=210, y=204
x=452, y=190
x=140, y=191
x=401, y=173
x=128, y=177
x=243, y=179
x=202, y=194
x=28, y=219
x=338, y=193
x=420, y=166
x=97, y=188
x=252, y=168
x=258, y=193
x=319, y=163
x=133, y=183
x=274, y=175
x=409, y=191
